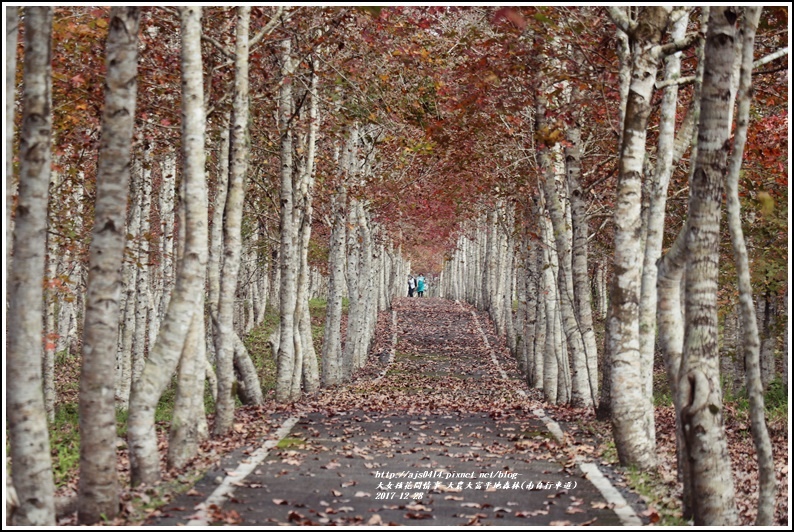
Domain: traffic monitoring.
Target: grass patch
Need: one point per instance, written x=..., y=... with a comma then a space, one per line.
x=609, y=452
x=657, y=494
x=535, y=434
x=286, y=443
x=776, y=400
x=65, y=443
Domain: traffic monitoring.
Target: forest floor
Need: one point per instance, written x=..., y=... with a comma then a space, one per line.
x=399, y=444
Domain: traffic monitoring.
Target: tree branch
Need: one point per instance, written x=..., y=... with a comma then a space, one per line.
x=771, y=57
x=677, y=45
x=269, y=27
x=222, y=49
x=686, y=80
x=689, y=79
x=620, y=19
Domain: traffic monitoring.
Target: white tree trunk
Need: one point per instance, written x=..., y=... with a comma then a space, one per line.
x=27, y=421
x=354, y=309
x=51, y=338
x=332, y=357
x=286, y=358
x=98, y=484
x=551, y=367
x=750, y=343
x=701, y=412
x=167, y=205
x=310, y=373
x=367, y=294
x=232, y=237
x=124, y=361
x=629, y=401
x=144, y=456
x=579, y=269
x=142, y=306
x=184, y=435
x=655, y=223
x=216, y=228
x=581, y=393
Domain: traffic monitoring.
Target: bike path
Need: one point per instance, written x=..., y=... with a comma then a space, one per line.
x=443, y=437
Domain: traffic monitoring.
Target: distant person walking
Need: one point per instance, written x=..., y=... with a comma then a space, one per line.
x=420, y=285
x=411, y=285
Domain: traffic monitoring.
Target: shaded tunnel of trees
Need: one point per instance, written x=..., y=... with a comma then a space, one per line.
x=610, y=184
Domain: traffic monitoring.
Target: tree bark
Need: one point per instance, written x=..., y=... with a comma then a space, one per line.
x=144, y=456
x=167, y=196
x=50, y=336
x=99, y=485
x=581, y=395
x=551, y=367
x=750, y=342
x=142, y=305
x=27, y=421
x=630, y=402
x=579, y=251
x=311, y=376
x=701, y=411
x=12, y=32
x=232, y=229
x=184, y=435
x=670, y=285
x=286, y=350
x=129, y=276
x=655, y=223
x=354, y=309
x=332, y=357
x=216, y=228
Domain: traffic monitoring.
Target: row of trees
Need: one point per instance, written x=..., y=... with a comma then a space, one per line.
x=289, y=157
x=169, y=304
x=536, y=250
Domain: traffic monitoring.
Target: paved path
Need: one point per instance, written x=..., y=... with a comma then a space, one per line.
x=444, y=435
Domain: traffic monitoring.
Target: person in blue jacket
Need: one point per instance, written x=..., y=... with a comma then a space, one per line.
x=420, y=285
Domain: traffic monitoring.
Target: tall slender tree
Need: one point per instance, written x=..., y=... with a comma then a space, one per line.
x=699, y=383
x=162, y=361
x=751, y=342
x=27, y=421
x=285, y=391
x=99, y=489
x=630, y=403
x=232, y=238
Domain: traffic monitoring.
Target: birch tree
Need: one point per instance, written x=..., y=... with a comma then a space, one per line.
x=750, y=344
x=286, y=360
x=143, y=304
x=232, y=238
x=332, y=370
x=27, y=422
x=701, y=412
x=188, y=421
x=656, y=211
x=629, y=400
x=98, y=485
x=579, y=251
x=581, y=393
x=310, y=371
x=144, y=456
